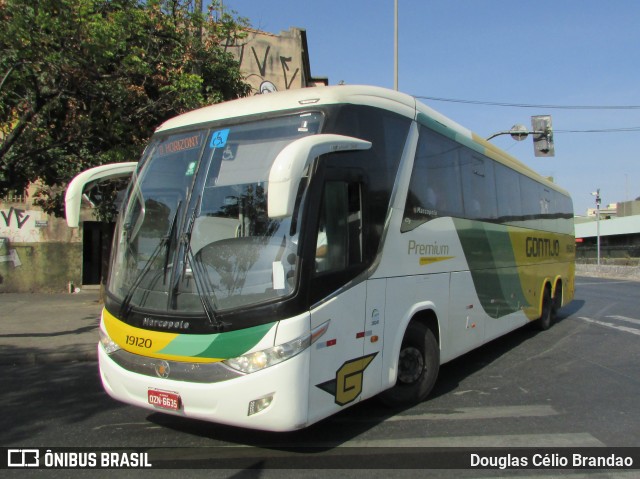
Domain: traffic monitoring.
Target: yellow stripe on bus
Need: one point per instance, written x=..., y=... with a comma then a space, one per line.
x=145, y=342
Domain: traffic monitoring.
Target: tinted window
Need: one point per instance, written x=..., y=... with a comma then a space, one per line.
x=449, y=179
x=435, y=189
x=508, y=194
x=339, y=238
x=478, y=187
x=387, y=133
x=531, y=199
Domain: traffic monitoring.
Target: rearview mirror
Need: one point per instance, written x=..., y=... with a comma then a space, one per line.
x=73, y=197
x=289, y=165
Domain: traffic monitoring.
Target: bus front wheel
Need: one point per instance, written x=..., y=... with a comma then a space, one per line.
x=418, y=365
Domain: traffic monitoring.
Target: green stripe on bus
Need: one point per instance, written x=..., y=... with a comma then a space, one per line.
x=489, y=253
x=449, y=133
x=222, y=345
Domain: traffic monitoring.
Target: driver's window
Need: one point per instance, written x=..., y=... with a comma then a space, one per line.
x=339, y=238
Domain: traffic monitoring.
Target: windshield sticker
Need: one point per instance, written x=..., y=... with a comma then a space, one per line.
x=229, y=153
x=178, y=145
x=219, y=138
x=191, y=169
x=278, y=276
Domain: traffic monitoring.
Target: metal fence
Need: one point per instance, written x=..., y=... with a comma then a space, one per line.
x=14, y=198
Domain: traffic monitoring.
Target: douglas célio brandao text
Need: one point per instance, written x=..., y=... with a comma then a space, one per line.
x=549, y=460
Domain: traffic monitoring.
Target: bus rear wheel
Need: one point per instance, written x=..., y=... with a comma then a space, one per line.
x=557, y=302
x=418, y=365
x=544, y=322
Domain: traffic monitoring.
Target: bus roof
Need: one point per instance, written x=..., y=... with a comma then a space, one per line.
x=397, y=102
x=294, y=99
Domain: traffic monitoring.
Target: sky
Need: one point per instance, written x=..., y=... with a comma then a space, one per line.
x=553, y=55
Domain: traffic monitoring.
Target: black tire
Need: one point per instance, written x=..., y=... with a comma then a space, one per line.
x=557, y=302
x=418, y=367
x=544, y=322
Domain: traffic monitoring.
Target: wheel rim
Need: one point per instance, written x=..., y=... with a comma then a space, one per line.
x=411, y=365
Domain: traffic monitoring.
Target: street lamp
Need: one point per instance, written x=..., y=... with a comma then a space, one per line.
x=541, y=130
x=598, y=200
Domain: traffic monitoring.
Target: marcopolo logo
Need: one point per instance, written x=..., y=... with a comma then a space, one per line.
x=164, y=324
x=541, y=247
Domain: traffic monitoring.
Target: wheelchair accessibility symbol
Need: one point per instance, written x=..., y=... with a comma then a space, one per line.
x=219, y=138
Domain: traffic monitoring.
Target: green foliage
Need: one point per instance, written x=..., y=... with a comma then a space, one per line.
x=85, y=82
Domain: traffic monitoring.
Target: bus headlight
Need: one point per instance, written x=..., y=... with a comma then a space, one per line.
x=109, y=345
x=252, y=362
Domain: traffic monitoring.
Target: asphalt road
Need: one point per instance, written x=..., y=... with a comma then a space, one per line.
x=575, y=385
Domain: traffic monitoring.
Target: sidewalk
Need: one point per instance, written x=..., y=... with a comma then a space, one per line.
x=610, y=271
x=38, y=328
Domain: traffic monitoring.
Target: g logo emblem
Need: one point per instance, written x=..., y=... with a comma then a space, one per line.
x=347, y=385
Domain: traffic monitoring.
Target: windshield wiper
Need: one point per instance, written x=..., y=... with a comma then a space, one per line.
x=125, y=308
x=169, y=242
x=200, y=276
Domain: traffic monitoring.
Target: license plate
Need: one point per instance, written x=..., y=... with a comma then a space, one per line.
x=164, y=399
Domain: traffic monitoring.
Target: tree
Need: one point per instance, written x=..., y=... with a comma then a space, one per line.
x=85, y=82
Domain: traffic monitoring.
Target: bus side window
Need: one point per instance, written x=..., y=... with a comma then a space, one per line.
x=339, y=238
x=435, y=188
x=508, y=194
x=478, y=187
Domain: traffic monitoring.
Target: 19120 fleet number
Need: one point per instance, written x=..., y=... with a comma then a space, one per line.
x=139, y=341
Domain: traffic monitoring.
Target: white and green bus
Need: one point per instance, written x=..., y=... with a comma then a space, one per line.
x=279, y=258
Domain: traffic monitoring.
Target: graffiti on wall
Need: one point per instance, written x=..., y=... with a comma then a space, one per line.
x=21, y=226
x=288, y=73
x=267, y=61
x=8, y=255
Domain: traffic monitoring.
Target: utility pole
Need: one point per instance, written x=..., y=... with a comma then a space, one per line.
x=395, y=47
x=598, y=200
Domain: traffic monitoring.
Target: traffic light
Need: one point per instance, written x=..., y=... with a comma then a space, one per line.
x=542, y=135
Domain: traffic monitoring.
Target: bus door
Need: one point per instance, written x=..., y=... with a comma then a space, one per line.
x=338, y=359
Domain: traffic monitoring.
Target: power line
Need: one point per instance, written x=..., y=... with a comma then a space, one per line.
x=530, y=105
x=602, y=130
x=542, y=106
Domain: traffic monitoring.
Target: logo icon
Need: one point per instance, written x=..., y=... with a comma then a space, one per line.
x=347, y=385
x=163, y=369
x=23, y=458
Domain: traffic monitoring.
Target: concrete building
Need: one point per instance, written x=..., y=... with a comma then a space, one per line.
x=272, y=62
x=619, y=233
x=38, y=252
x=607, y=211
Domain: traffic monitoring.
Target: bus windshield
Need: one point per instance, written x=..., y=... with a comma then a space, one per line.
x=193, y=235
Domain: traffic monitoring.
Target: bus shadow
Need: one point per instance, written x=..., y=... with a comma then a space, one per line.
x=355, y=421
x=454, y=372
x=571, y=309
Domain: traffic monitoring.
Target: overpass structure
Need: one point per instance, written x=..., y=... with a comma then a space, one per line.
x=619, y=237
